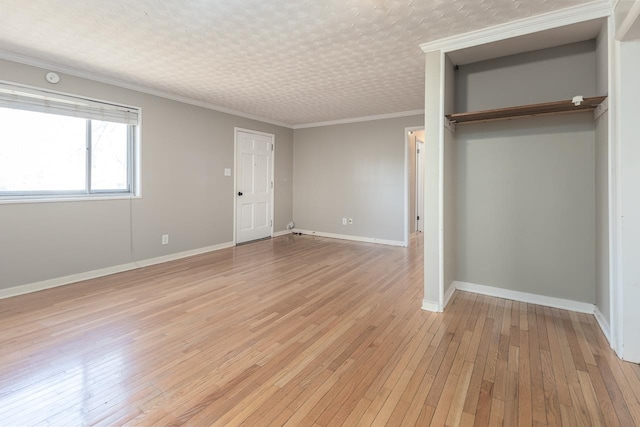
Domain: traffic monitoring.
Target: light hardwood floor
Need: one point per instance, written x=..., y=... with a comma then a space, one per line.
x=300, y=331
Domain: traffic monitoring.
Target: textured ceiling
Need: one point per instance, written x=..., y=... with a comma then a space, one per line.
x=290, y=61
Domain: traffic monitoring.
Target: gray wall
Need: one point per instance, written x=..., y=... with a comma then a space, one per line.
x=526, y=197
x=527, y=187
x=450, y=210
x=602, y=215
x=602, y=180
x=352, y=170
x=449, y=185
x=602, y=62
x=541, y=76
x=184, y=193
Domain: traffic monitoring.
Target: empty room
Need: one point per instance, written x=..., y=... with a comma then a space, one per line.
x=298, y=213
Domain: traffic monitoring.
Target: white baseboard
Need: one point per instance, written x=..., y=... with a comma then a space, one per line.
x=449, y=293
x=282, y=233
x=603, y=323
x=431, y=306
x=353, y=238
x=434, y=306
x=66, y=280
x=564, y=304
x=185, y=254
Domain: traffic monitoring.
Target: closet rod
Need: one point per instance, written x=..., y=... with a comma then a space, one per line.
x=558, y=107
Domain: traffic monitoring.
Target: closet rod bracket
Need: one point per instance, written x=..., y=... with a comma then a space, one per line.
x=449, y=124
x=602, y=108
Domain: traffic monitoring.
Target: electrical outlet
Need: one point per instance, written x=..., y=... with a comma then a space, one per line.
x=165, y=239
x=344, y=221
x=350, y=221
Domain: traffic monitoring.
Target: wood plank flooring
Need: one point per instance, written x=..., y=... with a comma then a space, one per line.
x=300, y=331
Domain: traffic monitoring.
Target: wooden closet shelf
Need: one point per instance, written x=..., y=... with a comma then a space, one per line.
x=589, y=104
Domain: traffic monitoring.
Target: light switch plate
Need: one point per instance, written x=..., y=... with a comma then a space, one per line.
x=227, y=171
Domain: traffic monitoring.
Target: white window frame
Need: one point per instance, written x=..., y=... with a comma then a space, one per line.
x=134, y=187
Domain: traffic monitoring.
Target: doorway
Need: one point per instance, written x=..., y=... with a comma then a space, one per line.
x=253, y=185
x=414, y=181
x=419, y=212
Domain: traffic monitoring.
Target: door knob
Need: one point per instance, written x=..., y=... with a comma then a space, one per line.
x=239, y=193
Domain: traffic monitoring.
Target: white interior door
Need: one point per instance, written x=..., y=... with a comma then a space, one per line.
x=254, y=186
x=419, y=185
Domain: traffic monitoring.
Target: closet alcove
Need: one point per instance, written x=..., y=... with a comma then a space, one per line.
x=524, y=169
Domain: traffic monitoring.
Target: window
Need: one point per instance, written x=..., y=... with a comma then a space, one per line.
x=54, y=146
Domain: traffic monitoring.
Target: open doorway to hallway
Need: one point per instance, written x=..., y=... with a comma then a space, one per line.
x=414, y=138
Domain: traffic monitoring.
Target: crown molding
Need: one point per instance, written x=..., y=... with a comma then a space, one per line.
x=628, y=21
x=34, y=62
x=360, y=119
x=521, y=27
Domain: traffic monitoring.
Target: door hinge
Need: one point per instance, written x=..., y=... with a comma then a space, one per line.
x=272, y=223
x=418, y=217
x=271, y=146
x=272, y=185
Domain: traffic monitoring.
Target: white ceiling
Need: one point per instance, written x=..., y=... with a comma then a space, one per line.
x=294, y=62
